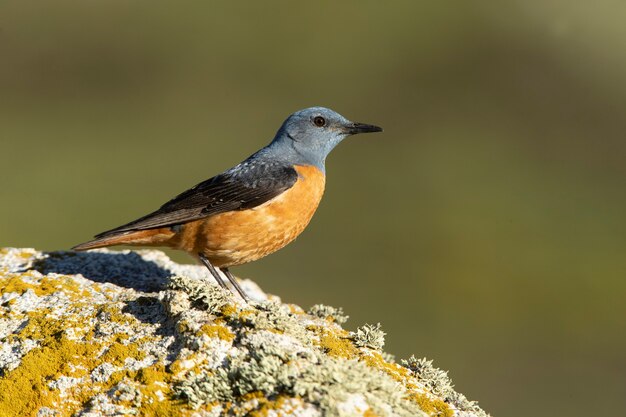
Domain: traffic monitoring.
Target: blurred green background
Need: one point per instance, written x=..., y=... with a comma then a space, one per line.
x=485, y=228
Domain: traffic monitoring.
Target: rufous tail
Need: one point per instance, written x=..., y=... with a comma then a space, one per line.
x=150, y=237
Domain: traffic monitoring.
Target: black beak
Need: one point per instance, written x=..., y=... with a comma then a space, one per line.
x=356, y=128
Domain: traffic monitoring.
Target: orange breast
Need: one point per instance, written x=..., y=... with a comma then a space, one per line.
x=238, y=237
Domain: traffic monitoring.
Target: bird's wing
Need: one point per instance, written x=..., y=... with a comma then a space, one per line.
x=245, y=186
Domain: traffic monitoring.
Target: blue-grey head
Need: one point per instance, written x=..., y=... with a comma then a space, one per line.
x=308, y=136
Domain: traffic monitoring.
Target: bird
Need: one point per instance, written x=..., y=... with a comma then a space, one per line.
x=252, y=209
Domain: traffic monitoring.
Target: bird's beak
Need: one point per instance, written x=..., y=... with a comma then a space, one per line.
x=356, y=128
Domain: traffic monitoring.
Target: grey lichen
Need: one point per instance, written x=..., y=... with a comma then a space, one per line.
x=211, y=298
x=328, y=312
x=369, y=336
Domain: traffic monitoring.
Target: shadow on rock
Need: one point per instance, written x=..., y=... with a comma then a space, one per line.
x=127, y=270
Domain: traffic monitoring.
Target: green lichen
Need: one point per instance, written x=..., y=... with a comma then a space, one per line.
x=266, y=369
x=324, y=377
x=275, y=317
x=369, y=336
x=266, y=373
x=325, y=382
x=388, y=357
x=205, y=296
x=332, y=380
x=437, y=382
x=206, y=388
x=276, y=368
x=430, y=404
x=329, y=313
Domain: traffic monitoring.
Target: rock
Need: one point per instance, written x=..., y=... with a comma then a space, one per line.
x=108, y=333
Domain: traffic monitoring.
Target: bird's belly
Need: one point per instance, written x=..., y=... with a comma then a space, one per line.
x=238, y=237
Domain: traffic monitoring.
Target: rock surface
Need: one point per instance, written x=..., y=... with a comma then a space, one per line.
x=109, y=333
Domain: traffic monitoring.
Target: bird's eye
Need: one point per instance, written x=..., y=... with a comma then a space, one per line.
x=319, y=121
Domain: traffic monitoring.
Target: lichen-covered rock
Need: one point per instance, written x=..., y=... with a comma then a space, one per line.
x=132, y=333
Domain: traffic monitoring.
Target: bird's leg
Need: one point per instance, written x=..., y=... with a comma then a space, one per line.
x=213, y=271
x=219, y=279
x=233, y=281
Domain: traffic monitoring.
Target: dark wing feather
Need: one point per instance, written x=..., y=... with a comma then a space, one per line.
x=248, y=185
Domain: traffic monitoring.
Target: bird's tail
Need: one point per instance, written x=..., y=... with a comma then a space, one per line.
x=149, y=237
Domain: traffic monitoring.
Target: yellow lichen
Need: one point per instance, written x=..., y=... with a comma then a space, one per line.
x=252, y=395
x=155, y=407
x=376, y=360
x=158, y=401
x=182, y=326
x=156, y=373
x=229, y=310
x=178, y=367
x=295, y=309
x=215, y=330
x=113, y=314
x=117, y=353
x=41, y=286
x=281, y=406
x=434, y=407
x=431, y=406
x=335, y=342
x=25, y=389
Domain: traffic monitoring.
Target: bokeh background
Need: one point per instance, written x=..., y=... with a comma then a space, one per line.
x=485, y=228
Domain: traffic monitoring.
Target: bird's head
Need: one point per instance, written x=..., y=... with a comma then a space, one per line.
x=309, y=135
